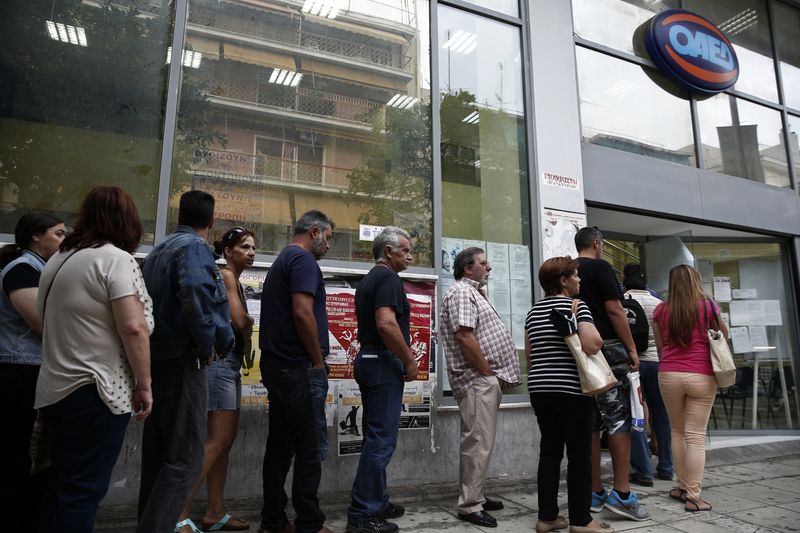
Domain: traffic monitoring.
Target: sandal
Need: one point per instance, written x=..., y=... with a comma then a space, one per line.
x=225, y=524
x=694, y=506
x=184, y=523
x=678, y=494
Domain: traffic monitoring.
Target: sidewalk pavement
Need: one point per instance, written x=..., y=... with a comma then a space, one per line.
x=753, y=488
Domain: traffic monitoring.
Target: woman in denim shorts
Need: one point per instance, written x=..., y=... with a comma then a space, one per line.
x=237, y=247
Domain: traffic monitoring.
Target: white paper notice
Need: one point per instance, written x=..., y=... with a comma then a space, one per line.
x=520, y=259
x=758, y=337
x=706, y=268
x=741, y=340
x=521, y=297
x=450, y=249
x=722, y=289
x=518, y=331
x=500, y=295
x=744, y=294
x=475, y=244
x=497, y=254
x=772, y=313
x=558, y=232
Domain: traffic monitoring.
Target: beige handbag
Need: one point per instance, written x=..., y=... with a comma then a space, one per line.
x=593, y=370
x=721, y=356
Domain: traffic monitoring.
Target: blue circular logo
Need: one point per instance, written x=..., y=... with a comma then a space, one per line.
x=691, y=51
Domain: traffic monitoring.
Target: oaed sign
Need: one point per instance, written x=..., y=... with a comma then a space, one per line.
x=691, y=51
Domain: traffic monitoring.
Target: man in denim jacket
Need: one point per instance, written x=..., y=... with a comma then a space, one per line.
x=192, y=325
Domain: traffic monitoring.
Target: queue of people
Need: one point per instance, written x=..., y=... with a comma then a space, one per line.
x=164, y=344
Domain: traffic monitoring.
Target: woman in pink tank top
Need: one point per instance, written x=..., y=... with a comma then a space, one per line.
x=686, y=378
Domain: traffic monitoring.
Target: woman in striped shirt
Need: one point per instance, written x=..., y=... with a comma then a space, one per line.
x=563, y=413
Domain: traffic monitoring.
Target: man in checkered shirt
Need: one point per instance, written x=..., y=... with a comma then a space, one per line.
x=481, y=358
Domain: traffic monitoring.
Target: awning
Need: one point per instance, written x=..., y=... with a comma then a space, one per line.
x=257, y=56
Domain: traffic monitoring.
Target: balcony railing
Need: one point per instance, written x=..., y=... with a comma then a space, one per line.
x=300, y=99
x=259, y=167
x=285, y=31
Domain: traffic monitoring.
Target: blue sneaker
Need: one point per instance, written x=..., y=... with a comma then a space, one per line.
x=598, y=502
x=629, y=508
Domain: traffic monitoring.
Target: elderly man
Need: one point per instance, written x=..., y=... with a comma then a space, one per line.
x=294, y=342
x=481, y=358
x=383, y=363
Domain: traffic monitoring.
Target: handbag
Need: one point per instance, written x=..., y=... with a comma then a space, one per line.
x=721, y=356
x=594, y=373
x=617, y=356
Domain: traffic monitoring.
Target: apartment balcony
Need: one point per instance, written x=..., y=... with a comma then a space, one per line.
x=289, y=36
x=267, y=170
x=298, y=104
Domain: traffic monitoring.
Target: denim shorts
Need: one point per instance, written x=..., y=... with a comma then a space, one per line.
x=612, y=409
x=224, y=385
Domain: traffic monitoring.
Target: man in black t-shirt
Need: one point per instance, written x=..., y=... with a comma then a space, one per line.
x=600, y=291
x=383, y=363
x=294, y=342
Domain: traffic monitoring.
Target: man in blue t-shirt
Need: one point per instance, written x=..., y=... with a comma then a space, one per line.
x=383, y=363
x=293, y=338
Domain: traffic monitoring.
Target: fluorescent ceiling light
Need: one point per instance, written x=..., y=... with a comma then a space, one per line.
x=461, y=42
x=189, y=58
x=401, y=101
x=288, y=78
x=740, y=22
x=472, y=118
x=323, y=8
x=66, y=33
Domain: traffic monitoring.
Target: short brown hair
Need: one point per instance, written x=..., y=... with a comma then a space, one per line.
x=107, y=215
x=551, y=271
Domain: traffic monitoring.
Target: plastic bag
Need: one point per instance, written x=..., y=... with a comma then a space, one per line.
x=637, y=408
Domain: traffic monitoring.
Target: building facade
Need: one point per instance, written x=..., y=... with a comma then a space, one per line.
x=496, y=123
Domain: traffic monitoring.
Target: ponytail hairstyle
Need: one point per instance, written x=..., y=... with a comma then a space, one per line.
x=685, y=293
x=30, y=224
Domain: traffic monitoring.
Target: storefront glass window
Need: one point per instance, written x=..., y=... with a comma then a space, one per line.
x=484, y=170
x=613, y=22
x=794, y=144
x=743, y=139
x=746, y=24
x=82, y=91
x=622, y=108
x=750, y=282
x=287, y=111
x=787, y=35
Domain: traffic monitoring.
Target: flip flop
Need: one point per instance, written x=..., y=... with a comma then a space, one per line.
x=224, y=525
x=678, y=494
x=188, y=522
x=697, y=507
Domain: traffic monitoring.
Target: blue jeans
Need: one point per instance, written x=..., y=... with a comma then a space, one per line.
x=85, y=441
x=293, y=434
x=319, y=393
x=659, y=421
x=380, y=378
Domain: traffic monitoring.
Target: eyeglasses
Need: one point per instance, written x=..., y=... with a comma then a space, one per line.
x=232, y=235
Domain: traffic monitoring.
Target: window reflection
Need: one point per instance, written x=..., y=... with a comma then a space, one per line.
x=82, y=87
x=509, y=7
x=613, y=22
x=743, y=139
x=794, y=145
x=787, y=35
x=293, y=110
x=746, y=24
x=622, y=108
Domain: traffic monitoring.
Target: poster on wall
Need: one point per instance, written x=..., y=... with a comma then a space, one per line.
x=450, y=249
x=415, y=411
x=722, y=288
x=558, y=232
x=253, y=392
x=349, y=416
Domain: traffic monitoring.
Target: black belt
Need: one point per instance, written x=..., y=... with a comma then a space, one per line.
x=373, y=346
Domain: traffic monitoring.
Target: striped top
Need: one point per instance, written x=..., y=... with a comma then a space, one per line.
x=552, y=367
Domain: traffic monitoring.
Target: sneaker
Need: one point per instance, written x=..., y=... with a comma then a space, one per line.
x=374, y=524
x=392, y=511
x=629, y=508
x=598, y=502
